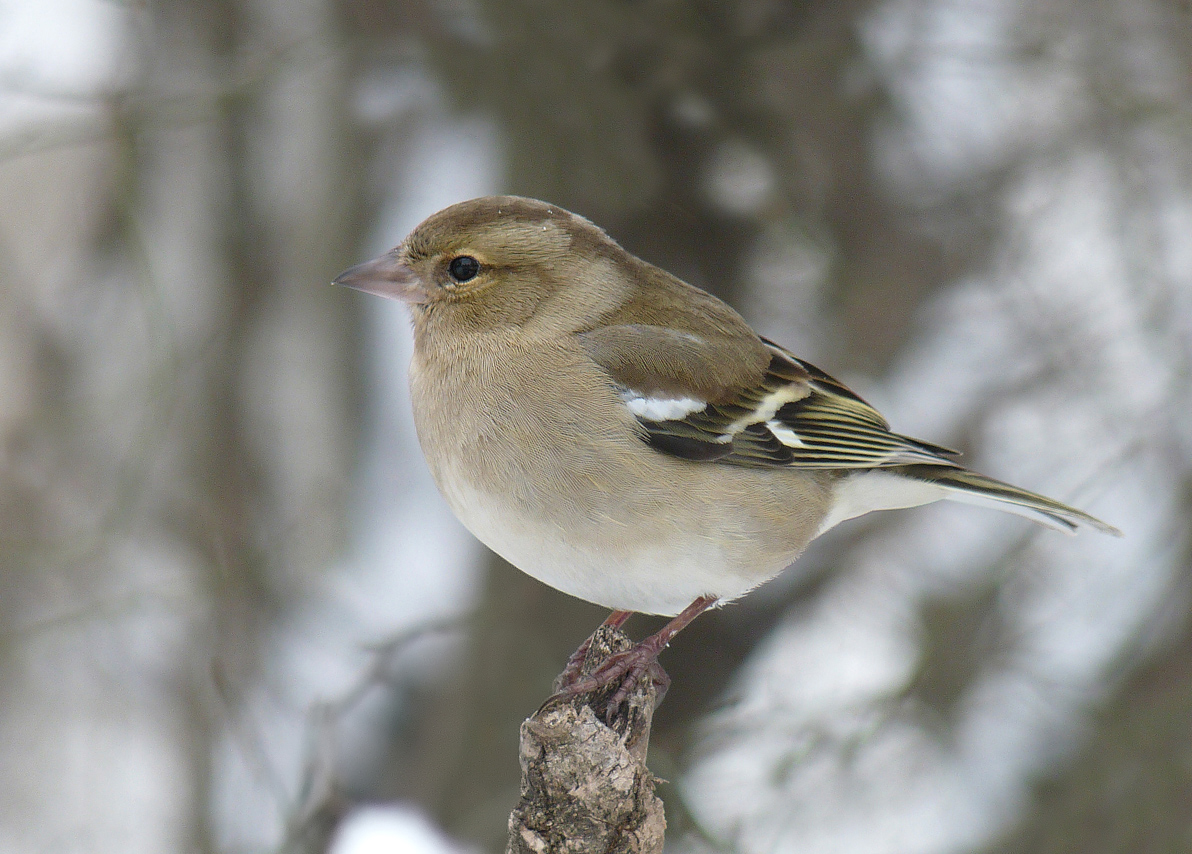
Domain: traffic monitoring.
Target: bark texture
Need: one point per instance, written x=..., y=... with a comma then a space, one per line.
x=585, y=786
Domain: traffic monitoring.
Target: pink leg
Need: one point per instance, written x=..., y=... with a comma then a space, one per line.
x=576, y=662
x=617, y=619
x=627, y=667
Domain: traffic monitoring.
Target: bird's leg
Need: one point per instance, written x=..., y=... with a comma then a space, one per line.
x=627, y=667
x=575, y=663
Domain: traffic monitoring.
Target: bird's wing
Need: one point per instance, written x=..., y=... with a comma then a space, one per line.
x=793, y=414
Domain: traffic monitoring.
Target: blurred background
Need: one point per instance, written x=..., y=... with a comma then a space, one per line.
x=235, y=616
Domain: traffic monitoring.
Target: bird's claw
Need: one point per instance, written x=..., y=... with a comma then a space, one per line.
x=624, y=670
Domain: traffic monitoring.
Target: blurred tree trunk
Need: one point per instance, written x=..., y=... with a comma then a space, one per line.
x=265, y=421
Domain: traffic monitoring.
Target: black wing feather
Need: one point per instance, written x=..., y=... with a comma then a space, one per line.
x=800, y=417
x=796, y=416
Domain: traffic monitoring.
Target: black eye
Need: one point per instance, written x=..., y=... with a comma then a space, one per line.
x=464, y=268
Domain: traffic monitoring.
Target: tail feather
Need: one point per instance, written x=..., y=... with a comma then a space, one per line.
x=963, y=485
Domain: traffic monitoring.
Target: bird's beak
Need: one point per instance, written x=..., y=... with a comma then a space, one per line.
x=386, y=276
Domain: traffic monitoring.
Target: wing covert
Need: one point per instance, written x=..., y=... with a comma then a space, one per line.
x=795, y=416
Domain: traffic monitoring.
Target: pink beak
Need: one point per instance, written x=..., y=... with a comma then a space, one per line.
x=385, y=276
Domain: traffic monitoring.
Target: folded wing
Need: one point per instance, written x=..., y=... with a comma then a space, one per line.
x=797, y=416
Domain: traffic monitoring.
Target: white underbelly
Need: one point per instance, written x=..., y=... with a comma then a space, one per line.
x=591, y=562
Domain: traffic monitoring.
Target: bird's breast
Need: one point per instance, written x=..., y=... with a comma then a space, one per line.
x=540, y=459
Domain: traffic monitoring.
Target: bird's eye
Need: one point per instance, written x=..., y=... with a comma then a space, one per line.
x=464, y=268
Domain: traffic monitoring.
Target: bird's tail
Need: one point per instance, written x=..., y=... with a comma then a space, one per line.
x=963, y=485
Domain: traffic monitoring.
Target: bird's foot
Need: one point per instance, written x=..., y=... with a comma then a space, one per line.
x=622, y=669
x=620, y=673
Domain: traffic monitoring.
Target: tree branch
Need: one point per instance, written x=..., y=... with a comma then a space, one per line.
x=585, y=786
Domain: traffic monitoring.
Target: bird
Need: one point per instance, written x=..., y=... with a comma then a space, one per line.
x=626, y=437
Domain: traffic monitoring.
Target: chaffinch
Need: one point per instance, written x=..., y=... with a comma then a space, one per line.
x=624, y=436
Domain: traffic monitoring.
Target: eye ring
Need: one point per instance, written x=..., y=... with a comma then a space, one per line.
x=463, y=268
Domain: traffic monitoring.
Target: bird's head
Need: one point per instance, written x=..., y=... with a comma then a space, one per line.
x=499, y=261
